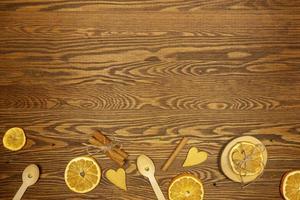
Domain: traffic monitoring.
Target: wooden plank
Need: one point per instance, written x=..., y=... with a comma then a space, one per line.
x=144, y=5
x=235, y=21
x=71, y=94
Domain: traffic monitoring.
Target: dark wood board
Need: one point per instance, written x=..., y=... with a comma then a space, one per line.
x=149, y=72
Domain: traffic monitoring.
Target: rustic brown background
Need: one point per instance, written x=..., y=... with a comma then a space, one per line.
x=149, y=71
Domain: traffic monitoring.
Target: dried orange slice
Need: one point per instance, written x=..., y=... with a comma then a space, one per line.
x=290, y=185
x=14, y=139
x=186, y=187
x=82, y=174
x=246, y=159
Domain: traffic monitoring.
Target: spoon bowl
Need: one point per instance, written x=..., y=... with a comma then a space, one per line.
x=145, y=165
x=31, y=174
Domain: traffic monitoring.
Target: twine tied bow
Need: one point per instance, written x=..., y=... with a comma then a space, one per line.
x=242, y=165
x=103, y=149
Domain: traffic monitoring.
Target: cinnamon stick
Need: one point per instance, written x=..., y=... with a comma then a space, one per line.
x=174, y=154
x=95, y=142
x=102, y=138
x=122, y=153
x=112, y=154
x=116, y=157
x=116, y=154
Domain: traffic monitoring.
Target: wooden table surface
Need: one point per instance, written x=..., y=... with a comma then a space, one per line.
x=149, y=72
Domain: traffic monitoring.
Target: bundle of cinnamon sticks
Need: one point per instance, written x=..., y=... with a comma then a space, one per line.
x=115, y=153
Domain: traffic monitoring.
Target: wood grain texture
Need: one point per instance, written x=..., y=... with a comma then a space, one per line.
x=142, y=5
x=148, y=73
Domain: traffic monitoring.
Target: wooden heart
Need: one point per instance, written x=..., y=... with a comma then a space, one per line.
x=194, y=157
x=118, y=178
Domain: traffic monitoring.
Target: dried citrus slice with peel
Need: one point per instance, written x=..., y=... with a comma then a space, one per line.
x=186, y=187
x=14, y=139
x=246, y=159
x=82, y=174
x=290, y=185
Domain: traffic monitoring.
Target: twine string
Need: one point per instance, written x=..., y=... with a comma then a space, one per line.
x=242, y=165
x=95, y=149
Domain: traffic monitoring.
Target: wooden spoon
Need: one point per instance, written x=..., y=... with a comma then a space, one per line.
x=146, y=168
x=30, y=176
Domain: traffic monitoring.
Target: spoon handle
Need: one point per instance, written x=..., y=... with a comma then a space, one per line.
x=20, y=192
x=156, y=188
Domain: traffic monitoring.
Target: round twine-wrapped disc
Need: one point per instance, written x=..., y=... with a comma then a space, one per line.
x=226, y=166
